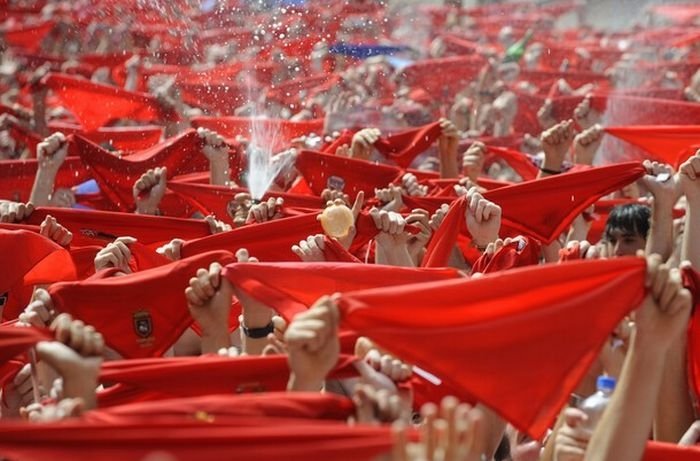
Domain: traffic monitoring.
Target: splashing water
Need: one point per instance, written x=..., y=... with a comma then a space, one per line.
x=263, y=165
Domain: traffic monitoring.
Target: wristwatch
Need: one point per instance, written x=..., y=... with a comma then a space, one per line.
x=258, y=333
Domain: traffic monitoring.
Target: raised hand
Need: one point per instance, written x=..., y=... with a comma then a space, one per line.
x=572, y=438
x=363, y=141
x=586, y=144
x=311, y=249
x=76, y=355
x=545, y=115
x=116, y=254
x=12, y=212
x=51, y=152
x=409, y=183
x=40, y=312
x=689, y=178
x=216, y=226
x=171, y=250
x=149, y=190
x=447, y=145
x=51, y=229
x=483, y=219
x=585, y=115
x=313, y=345
x=664, y=313
x=216, y=150
x=266, y=211
x=390, y=197
x=473, y=160
x=455, y=431
x=416, y=243
x=209, y=302
x=239, y=208
x=556, y=142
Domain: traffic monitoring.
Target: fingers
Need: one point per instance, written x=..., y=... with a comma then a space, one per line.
x=204, y=285
x=242, y=256
x=266, y=211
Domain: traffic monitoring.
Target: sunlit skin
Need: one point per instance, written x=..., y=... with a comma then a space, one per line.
x=622, y=243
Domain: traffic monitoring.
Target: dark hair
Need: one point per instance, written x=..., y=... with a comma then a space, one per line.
x=632, y=218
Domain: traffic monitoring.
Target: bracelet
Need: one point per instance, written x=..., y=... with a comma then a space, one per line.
x=548, y=171
x=258, y=333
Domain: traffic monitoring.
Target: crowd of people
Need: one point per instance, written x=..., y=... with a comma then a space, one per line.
x=347, y=230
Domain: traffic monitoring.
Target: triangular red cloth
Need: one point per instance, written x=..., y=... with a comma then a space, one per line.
x=116, y=176
x=125, y=138
x=335, y=252
x=28, y=37
x=542, y=209
x=268, y=241
x=323, y=171
x=80, y=96
x=140, y=380
x=667, y=143
x=516, y=254
x=563, y=313
x=658, y=451
x=194, y=440
x=101, y=227
x=23, y=251
x=214, y=200
x=405, y=146
x=520, y=162
x=15, y=340
x=17, y=177
x=290, y=288
x=140, y=314
x=275, y=134
x=221, y=407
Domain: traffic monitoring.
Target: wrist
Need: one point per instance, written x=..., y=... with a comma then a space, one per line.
x=256, y=318
x=298, y=383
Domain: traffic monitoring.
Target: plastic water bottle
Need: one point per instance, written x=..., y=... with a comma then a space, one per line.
x=594, y=406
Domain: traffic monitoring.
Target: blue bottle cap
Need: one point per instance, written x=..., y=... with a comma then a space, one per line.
x=606, y=383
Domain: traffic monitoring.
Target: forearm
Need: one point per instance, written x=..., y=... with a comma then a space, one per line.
x=622, y=432
x=39, y=113
x=448, y=164
x=394, y=256
x=660, y=240
x=674, y=410
x=43, y=187
x=690, y=249
x=219, y=172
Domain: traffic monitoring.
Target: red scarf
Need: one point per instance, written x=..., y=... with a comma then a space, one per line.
x=549, y=308
x=221, y=407
x=268, y=241
x=322, y=171
x=140, y=314
x=124, y=138
x=542, y=209
x=214, y=200
x=186, y=439
x=99, y=227
x=80, y=96
x=278, y=134
x=17, y=177
x=668, y=143
x=405, y=146
x=290, y=288
x=140, y=380
x=517, y=254
x=15, y=340
x=116, y=176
